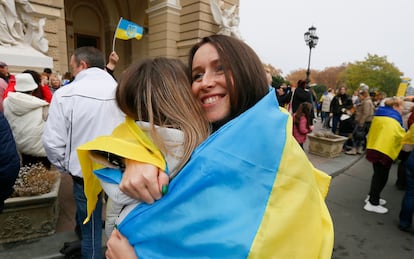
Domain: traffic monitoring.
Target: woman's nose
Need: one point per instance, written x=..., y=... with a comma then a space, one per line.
x=208, y=80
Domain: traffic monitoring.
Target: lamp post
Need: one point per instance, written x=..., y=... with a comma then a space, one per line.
x=311, y=40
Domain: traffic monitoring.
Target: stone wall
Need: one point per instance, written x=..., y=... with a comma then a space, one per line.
x=172, y=27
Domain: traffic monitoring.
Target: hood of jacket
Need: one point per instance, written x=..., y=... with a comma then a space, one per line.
x=21, y=103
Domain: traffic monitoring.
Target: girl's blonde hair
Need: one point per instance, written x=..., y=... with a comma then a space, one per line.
x=394, y=101
x=158, y=91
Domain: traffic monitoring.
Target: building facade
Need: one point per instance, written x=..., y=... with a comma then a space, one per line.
x=171, y=27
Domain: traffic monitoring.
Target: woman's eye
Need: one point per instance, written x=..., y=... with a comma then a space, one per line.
x=197, y=77
x=219, y=69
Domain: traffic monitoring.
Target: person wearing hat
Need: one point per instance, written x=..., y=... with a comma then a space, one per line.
x=27, y=116
x=7, y=77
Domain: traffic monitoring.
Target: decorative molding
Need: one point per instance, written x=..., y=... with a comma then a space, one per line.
x=171, y=6
x=48, y=11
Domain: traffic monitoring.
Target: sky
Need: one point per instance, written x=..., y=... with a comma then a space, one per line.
x=348, y=30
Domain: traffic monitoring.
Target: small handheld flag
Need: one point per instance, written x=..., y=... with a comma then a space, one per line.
x=127, y=30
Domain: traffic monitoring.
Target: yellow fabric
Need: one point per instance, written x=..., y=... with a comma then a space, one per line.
x=297, y=215
x=385, y=135
x=402, y=88
x=409, y=136
x=128, y=141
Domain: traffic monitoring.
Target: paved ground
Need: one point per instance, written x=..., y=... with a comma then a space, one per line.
x=358, y=234
x=364, y=235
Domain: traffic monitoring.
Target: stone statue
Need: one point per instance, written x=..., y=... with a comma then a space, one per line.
x=17, y=26
x=227, y=18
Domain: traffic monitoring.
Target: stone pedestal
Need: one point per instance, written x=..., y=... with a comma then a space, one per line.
x=326, y=146
x=29, y=217
x=21, y=57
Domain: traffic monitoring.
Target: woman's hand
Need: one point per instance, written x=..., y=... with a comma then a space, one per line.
x=144, y=182
x=118, y=247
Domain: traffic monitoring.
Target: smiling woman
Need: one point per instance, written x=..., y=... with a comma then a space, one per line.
x=209, y=83
x=226, y=85
x=236, y=171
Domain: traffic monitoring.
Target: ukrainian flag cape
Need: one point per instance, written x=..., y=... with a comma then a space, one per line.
x=409, y=136
x=247, y=191
x=127, y=141
x=386, y=132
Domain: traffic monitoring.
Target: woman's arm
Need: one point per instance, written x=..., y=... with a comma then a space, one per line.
x=47, y=94
x=143, y=181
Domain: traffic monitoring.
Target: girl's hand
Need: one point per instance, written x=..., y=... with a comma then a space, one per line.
x=144, y=182
x=118, y=247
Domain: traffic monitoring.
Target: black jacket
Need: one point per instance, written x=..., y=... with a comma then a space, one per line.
x=9, y=161
x=300, y=95
x=339, y=102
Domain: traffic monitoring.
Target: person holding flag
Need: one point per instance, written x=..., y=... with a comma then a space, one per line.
x=241, y=194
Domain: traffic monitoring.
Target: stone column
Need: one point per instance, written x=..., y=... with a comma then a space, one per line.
x=55, y=31
x=196, y=22
x=163, y=27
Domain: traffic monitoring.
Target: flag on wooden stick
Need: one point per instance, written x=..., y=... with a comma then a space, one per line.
x=127, y=30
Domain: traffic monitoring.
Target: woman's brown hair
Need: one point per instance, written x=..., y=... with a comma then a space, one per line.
x=158, y=91
x=304, y=109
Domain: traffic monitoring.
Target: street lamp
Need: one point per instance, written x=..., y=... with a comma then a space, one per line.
x=311, y=40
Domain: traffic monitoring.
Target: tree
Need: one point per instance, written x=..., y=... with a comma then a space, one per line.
x=330, y=76
x=375, y=71
x=277, y=78
x=273, y=71
x=300, y=74
x=277, y=81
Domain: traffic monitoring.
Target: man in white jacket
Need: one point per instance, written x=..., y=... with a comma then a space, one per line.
x=79, y=112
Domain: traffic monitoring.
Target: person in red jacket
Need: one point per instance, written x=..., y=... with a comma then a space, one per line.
x=43, y=92
x=6, y=76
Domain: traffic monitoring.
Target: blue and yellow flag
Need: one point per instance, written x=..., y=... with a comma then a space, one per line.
x=128, y=30
x=127, y=141
x=248, y=191
x=386, y=133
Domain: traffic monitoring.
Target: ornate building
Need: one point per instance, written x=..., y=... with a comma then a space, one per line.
x=171, y=27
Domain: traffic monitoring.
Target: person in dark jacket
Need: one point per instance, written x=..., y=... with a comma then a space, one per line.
x=340, y=104
x=300, y=95
x=9, y=161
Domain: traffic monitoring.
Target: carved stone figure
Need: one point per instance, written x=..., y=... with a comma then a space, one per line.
x=11, y=28
x=18, y=28
x=227, y=18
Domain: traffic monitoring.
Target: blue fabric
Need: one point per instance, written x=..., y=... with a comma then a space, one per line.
x=91, y=231
x=9, y=160
x=216, y=203
x=407, y=207
x=389, y=112
x=410, y=161
x=109, y=175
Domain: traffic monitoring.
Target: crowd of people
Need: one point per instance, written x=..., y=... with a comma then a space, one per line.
x=170, y=120
x=373, y=124
x=184, y=139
